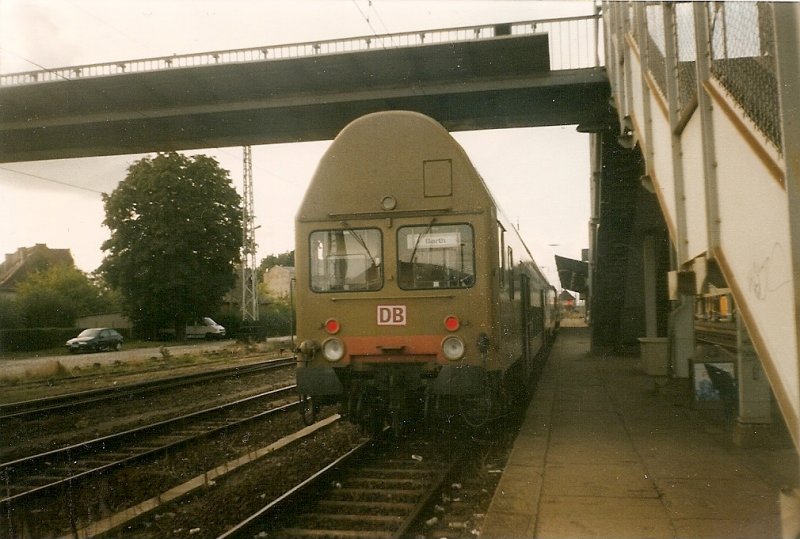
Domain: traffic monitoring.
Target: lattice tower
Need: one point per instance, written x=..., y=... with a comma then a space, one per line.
x=249, y=278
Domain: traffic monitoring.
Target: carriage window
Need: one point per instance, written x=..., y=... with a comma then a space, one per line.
x=346, y=260
x=440, y=256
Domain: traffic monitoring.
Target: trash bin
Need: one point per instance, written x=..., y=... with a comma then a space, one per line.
x=654, y=352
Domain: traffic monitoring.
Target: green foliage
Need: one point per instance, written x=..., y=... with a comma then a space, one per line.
x=176, y=236
x=32, y=339
x=56, y=296
x=274, y=320
x=112, y=298
x=10, y=315
x=277, y=319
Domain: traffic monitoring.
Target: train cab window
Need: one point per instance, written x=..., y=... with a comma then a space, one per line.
x=346, y=260
x=440, y=256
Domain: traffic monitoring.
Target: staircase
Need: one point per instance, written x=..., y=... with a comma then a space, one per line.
x=698, y=87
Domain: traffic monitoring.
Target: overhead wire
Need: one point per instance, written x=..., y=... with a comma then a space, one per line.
x=59, y=182
x=139, y=112
x=144, y=114
x=105, y=22
x=40, y=66
x=380, y=19
x=102, y=96
x=365, y=16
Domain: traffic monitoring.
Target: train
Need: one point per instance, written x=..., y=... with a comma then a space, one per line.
x=416, y=299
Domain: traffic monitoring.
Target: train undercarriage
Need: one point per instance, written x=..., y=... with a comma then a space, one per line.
x=404, y=396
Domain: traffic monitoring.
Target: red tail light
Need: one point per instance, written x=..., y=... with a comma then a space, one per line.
x=452, y=323
x=332, y=326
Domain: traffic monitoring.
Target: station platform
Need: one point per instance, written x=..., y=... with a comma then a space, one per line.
x=607, y=451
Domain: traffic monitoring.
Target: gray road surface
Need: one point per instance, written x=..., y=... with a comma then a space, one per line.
x=18, y=367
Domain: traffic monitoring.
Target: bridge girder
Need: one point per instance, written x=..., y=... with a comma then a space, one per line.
x=486, y=84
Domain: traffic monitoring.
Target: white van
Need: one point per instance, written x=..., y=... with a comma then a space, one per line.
x=201, y=328
x=204, y=328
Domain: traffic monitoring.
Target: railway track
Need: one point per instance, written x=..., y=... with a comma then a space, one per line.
x=52, y=405
x=722, y=334
x=43, y=473
x=377, y=490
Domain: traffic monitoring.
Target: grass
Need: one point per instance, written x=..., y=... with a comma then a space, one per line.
x=62, y=350
x=160, y=361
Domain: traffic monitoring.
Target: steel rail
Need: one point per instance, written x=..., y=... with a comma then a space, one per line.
x=36, y=474
x=408, y=486
x=132, y=516
x=243, y=528
x=55, y=403
x=721, y=334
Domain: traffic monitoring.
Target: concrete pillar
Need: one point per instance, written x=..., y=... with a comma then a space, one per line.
x=649, y=265
x=682, y=336
x=755, y=395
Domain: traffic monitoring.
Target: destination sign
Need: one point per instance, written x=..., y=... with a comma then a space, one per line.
x=433, y=241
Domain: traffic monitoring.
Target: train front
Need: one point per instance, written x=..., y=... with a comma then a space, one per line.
x=393, y=254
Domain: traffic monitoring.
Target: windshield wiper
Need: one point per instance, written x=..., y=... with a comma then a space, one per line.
x=427, y=230
x=361, y=242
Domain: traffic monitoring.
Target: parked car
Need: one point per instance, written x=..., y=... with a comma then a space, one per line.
x=94, y=340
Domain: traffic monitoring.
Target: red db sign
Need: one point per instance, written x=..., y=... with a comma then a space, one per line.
x=391, y=315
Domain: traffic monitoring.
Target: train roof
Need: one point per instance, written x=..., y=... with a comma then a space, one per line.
x=399, y=154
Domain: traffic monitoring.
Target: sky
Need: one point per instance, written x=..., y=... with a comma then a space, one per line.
x=539, y=176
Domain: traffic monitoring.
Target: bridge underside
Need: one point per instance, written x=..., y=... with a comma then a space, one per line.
x=487, y=84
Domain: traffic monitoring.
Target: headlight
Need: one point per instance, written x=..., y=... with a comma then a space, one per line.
x=453, y=348
x=333, y=349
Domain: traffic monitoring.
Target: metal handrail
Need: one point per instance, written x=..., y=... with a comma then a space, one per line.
x=574, y=43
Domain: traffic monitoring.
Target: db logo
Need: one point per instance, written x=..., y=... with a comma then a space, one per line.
x=391, y=315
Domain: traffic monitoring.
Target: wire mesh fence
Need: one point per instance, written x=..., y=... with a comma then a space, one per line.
x=743, y=61
x=679, y=33
x=686, y=54
x=656, y=45
x=741, y=48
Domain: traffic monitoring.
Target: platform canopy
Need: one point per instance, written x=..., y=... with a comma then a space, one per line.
x=573, y=274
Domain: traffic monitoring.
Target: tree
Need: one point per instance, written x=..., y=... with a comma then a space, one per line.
x=10, y=315
x=56, y=296
x=277, y=318
x=176, y=236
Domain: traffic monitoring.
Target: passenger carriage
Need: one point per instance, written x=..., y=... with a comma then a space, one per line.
x=414, y=293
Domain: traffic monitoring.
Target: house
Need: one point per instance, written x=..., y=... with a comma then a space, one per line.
x=27, y=260
x=278, y=281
